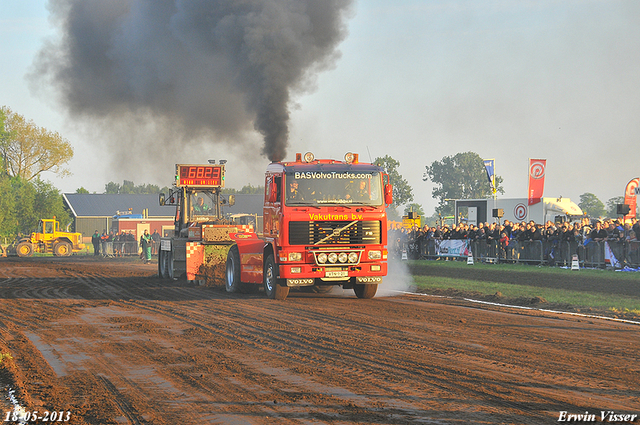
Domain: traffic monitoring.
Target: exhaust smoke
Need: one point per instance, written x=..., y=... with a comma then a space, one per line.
x=203, y=68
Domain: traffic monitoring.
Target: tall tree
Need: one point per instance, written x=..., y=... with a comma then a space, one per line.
x=416, y=208
x=590, y=204
x=612, y=205
x=29, y=150
x=35, y=200
x=462, y=176
x=129, y=188
x=247, y=189
x=402, y=191
x=7, y=206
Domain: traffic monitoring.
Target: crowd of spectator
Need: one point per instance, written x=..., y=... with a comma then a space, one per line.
x=119, y=244
x=503, y=234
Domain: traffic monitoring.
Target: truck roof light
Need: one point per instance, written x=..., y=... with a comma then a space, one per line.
x=212, y=161
x=349, y=157
x=308, y=157
x=298, y=157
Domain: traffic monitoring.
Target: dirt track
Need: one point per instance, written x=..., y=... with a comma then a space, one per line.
x=109, y=342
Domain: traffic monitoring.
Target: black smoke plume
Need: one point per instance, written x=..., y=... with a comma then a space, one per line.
x=199, y=66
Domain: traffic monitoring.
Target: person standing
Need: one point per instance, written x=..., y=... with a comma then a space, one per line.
x=156, y=242
x=145, y=242
x=95, y=240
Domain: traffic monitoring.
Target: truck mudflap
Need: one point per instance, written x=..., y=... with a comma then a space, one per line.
x=207, y=262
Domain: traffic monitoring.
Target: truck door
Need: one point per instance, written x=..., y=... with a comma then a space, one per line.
x=272, y=205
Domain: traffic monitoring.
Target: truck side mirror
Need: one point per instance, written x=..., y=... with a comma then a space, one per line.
x=161, y=200
x=388, y=194
x=232, y=200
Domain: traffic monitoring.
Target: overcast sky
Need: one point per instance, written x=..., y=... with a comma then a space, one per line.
x=416, y=80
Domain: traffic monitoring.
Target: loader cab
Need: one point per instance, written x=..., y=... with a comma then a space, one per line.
x=46, y=226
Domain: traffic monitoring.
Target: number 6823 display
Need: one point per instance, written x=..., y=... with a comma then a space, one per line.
x=199, y=175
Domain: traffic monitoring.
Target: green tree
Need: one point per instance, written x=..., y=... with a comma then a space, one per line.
x=416, y=208
x=24, y=198
x=612, y=205
x=29, y=150
x=402, y=191
x=82, y=190
x=33, y=201
x=48, y=202
x=247, y=189
x=462, y=176
x=129, y=188
x=7, y=207
x=590, y=204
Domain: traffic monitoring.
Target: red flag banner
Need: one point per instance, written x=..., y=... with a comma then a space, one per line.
x=630, y=197
x=537, y=169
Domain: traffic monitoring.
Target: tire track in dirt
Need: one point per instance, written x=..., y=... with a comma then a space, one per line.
x=375, y=366
x=180, y=353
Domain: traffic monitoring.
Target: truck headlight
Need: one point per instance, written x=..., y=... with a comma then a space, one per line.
x=295, y=256
x=333, y=257
x=322, y=258
x=342, y=257
x=353, y=257
x=375, y=255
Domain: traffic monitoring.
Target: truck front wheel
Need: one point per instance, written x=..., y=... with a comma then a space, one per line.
x=24, y=249
x=62, y=249
x=366, y=291
x=271, y=286
x=232, y=283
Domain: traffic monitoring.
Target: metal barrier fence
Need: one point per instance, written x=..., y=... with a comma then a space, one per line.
x=121, y=249
x=553, y=253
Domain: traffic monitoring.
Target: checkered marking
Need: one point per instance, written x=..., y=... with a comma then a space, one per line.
x=192, y=248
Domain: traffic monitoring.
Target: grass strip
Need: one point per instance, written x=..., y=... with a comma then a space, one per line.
x=607, y=290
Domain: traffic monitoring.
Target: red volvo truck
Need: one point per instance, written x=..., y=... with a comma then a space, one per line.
x=324, y=224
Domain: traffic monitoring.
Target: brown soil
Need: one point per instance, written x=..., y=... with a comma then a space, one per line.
x=109, y=342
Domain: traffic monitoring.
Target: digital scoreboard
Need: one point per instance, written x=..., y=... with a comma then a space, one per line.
x=199, y=175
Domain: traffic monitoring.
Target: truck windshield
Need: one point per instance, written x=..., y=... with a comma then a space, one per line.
x=327, y=188
x=202, y=205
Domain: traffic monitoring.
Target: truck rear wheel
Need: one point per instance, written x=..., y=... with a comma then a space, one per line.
x=24, y=249
x=232, y=282
x=62, y=249
x=169, y=260
x=272, y=288
x=163, y=264
x=366, y=291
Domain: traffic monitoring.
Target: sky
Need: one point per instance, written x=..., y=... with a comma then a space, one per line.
x=416, y=80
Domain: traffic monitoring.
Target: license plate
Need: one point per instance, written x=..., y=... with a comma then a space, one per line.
x=339, y=273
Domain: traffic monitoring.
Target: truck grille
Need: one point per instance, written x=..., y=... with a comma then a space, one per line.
x=310, y=232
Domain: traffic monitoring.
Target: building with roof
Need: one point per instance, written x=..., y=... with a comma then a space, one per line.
x=100, y=212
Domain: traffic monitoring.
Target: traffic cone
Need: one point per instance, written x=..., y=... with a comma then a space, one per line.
x=470, y=259
x=404, y=254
